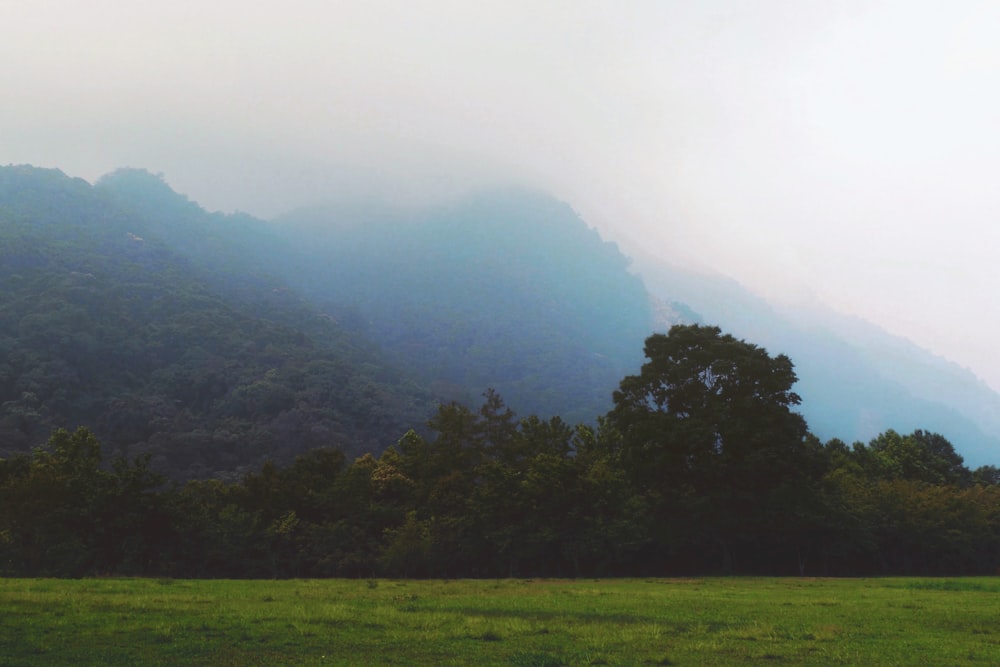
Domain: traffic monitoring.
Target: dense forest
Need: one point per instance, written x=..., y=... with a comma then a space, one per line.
x=701, y=466
x=295, y=399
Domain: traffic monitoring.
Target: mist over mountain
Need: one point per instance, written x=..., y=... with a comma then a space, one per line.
x=506, y=289
x=214, y=342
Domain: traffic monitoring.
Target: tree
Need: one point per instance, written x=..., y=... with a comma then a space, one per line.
x=62, y=514
x=920, y=456
x=709, y=435
x=988, y=475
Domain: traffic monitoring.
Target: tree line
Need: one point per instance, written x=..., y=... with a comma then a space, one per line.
x=702, y=466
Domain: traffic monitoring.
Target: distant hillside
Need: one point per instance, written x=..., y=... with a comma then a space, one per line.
x=855, y=380
x=143, y=323
x=214, y=342
x=507, y=289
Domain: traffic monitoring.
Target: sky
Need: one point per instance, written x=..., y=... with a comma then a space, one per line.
x=838, y=153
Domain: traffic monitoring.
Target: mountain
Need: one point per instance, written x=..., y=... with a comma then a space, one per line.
x=505, y=289
x=141, y=321
x=214, y=342
x=855, y=380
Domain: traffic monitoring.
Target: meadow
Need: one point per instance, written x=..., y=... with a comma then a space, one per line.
x=713, y=621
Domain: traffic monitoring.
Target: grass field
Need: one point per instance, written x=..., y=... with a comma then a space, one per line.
x=511, y=622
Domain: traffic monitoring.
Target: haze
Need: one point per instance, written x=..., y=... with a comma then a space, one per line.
x=837, y=153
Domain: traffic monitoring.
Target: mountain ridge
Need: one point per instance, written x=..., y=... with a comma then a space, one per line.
x=503, y=289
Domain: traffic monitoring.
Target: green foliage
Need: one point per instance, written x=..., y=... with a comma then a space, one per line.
x=489, y=495
x=61, y=514
x=920, y=457
x=907, y=505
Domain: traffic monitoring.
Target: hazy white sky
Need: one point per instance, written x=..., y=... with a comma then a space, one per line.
x=838, y=151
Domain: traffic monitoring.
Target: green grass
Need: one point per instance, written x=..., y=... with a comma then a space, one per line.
x=512, y=622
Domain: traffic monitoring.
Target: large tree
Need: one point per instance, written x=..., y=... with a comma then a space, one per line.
x=709, y=434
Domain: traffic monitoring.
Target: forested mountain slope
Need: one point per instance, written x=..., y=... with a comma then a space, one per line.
x=216, y=341
x=130, y=324
x=507, y=289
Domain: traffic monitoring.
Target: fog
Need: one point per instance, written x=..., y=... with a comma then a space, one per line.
x=836, y=153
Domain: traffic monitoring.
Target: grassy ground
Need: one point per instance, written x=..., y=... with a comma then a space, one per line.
x=532, y=622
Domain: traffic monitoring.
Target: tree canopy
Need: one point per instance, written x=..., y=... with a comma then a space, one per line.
x=706, y=470
x=708, y=431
